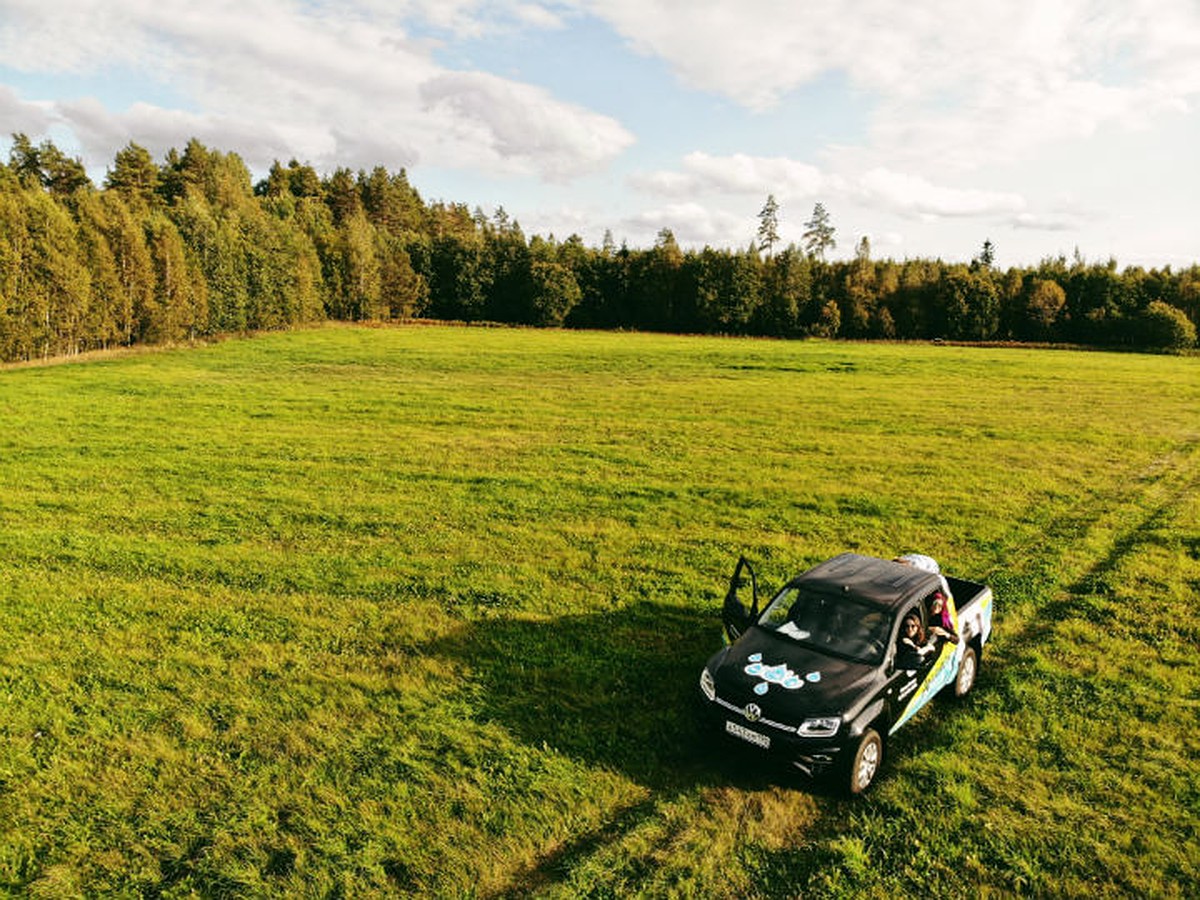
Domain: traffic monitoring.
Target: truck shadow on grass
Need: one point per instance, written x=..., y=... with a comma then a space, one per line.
x=616, y=689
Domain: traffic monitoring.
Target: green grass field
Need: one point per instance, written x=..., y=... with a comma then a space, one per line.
x=351, y=612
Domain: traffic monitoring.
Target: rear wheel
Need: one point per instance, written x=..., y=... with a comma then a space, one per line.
x=864, y=766
x=968, y=668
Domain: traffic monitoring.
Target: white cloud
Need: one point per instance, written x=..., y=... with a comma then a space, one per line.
x=909, y=195
x=343, y=85
x=1043, y=222
x=987, y=83
x=78, y=36
x=693, y=224
x=962, y=118
x=538, y=16
x=471, y=19
x=891, y=242
x=663, y=183
x=738, y=174
x=524, y=124
x=563, y=221
x=158, y=130
x=745, y=53
x=22, y=116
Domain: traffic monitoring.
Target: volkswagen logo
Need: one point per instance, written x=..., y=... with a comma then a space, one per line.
x=752, y=712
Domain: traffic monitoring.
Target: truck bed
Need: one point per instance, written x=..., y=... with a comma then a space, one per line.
x=965, y=592
x=974, y=603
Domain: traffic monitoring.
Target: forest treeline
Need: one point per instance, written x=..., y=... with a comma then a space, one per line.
x=191, y=247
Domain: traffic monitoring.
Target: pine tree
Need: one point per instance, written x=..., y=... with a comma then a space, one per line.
x=133, y=174
x=786, y=289
x=859, y=306
x=509, y=259
x=403, y=292
x=986, y=257
x=63, y=175
x=25, y=161
x=342, y=195
x=390, y=201
x=818, y=233
x=768, y=227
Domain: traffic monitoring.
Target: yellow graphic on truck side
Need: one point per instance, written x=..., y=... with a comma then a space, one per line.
x=941, y=673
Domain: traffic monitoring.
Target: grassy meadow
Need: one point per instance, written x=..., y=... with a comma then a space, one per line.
x=363, y=611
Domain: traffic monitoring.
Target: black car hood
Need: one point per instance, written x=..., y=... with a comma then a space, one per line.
x=788, y=681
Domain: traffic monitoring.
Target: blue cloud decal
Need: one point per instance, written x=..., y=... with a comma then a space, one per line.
x=779, y=674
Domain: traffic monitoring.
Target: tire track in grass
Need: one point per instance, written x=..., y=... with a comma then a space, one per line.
x=1034, y=770
x=1171, y=486
x=1091, y=537
x=1073, y=657
x=1078, y=547
x=840, y=851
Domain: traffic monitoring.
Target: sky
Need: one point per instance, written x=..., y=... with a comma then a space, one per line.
x=1048, y=128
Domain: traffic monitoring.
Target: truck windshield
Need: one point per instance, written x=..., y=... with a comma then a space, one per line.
x=834, y=624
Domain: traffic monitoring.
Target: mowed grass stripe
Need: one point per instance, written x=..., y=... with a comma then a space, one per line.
x=421, y=609
x=1067, y=771
x=1050, y=661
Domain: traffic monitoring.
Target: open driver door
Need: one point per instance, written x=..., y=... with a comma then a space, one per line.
x=736, y=615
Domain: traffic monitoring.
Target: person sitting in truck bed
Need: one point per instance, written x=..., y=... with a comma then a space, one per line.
x=940, y=624
x=915, y=649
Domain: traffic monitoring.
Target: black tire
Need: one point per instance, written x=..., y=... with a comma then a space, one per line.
x=968, y=671
x=865, y=764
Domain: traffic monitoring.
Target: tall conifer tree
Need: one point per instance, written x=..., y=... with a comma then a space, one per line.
x=818, y=233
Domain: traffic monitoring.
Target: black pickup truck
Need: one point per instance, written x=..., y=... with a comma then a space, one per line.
x=820, y=677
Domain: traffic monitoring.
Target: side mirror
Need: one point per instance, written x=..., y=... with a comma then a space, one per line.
x=736, y=615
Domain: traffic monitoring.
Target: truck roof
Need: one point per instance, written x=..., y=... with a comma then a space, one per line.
x=880, y=582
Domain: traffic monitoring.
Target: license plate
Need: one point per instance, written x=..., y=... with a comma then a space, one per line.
x=753, y=737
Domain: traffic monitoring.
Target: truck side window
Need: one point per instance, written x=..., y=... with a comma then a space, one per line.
x=913, y=647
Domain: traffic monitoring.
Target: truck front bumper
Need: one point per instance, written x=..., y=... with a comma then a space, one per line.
x=780, y=742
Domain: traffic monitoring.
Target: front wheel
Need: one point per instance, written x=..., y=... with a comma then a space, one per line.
x=968, y=668
x=866, y=762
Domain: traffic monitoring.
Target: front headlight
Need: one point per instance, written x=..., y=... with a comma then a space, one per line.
x=819, y=728
x=707, y=685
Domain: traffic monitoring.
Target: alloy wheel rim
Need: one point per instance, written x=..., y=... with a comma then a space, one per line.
x=967, y=676
x=868, y=764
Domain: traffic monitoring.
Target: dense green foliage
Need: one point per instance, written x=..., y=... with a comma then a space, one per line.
x=191, y=248
x=346, y=611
